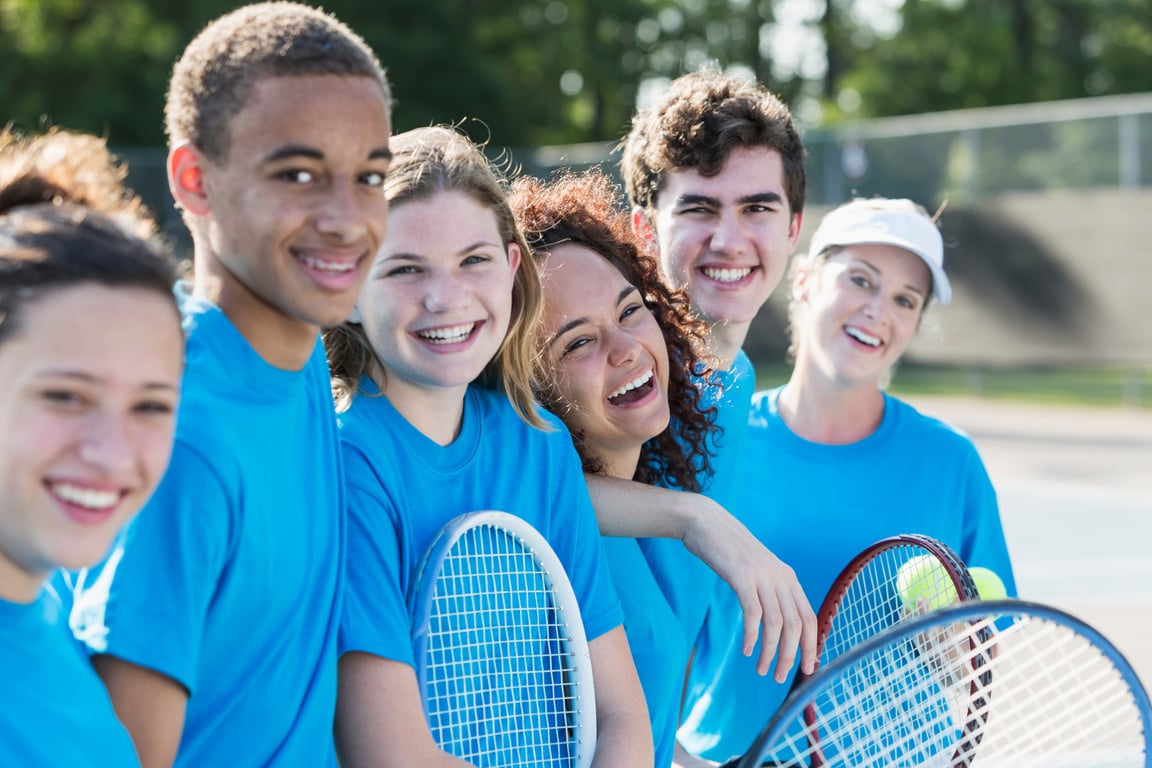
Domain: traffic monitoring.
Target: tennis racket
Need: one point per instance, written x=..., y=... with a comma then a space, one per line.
x=501, y=654
x=995, y=684
x=866, y=597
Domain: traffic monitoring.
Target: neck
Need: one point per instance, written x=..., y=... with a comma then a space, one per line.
x=822, y=410
x=282, y=341
x=436, y=412
x=18, y=585
x=725, y=338
x=619, y=463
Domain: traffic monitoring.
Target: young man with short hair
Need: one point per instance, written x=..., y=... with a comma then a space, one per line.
x=218, y=643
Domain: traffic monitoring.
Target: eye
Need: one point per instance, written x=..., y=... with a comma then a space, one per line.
x=297, y=176
x=860, y=280
x=575, y=345
x=476, y=258
x=631, y=310
x=63, y=397
x=155, y=407
x=372, y=178
x=907, y=302
x=404, y=269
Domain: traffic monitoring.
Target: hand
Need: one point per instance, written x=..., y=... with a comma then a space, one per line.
x=769, y=594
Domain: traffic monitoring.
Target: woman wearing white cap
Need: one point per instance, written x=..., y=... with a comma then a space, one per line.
x=832, y=462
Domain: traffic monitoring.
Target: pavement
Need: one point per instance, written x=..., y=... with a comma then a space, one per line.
x=1075, y=491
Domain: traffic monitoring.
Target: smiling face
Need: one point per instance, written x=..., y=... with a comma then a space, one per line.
x=89, y=384
x=858, y=310
x=608, y=354
x=290, y=219
x=727, y=238
x=438, y=298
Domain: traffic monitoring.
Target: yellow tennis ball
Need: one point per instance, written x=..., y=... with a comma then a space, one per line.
x=988, y=584
x=924, y=578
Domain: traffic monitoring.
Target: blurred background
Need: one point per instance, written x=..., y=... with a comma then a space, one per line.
x=1030, y=119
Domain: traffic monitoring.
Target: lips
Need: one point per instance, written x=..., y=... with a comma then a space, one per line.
x=84, y=503
x=726, y=275
x=448, y=334
x=863, y=336
x=634, y=390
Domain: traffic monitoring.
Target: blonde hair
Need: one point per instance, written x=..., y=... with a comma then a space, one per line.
x=427, y=161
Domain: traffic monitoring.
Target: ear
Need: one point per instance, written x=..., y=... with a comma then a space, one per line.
x=513, y=257
x=186, y=178
x=794, y=229
x=643, y=229
x=800, y=281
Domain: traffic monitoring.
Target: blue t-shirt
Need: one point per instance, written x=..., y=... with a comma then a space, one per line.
x=54, y=711
x=816, y=506
x=229, y=580
x=403, y=487
x=686, y=580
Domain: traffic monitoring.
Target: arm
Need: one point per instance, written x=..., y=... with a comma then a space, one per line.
x=769, y=593
x=379, y=717
x=623, y=732
x=149, y=704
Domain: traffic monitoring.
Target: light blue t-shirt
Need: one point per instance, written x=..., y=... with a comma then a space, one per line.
x=685, y=579
x=816, y=506
x=54, y=711
x=403, y=487
x=229, y=580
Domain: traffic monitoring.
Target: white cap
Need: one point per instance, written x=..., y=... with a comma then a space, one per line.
x=901, y=223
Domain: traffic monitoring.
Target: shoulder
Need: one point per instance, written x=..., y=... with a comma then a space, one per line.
x=928, y=430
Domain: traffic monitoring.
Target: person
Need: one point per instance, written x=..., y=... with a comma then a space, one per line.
x=91, y=355
x=715, y=174
x=433, y=374
x=217, y=636
x=617, y=350
x=861, y=464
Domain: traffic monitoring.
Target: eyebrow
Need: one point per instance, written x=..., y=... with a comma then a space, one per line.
x=301, y=150
x=756, y=197
x=581, y=320
x=87, y=378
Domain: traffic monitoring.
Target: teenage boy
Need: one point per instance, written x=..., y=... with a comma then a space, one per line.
x=219, y=637
x=715, y=175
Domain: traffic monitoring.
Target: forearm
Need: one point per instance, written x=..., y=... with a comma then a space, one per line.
x=630, y=509
x=623, y=730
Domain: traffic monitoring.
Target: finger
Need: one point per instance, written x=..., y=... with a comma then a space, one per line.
x=771, y=624
x=790, y=632
x=750, y=606
x=809, y=632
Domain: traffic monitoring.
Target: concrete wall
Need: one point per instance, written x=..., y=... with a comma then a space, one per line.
x=1038, y=279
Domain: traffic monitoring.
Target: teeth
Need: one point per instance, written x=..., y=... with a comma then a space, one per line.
x=449, y=335
x=335, y=267
x=727, y=275
x=89, y=498
x=639, y=381
x=862, y=337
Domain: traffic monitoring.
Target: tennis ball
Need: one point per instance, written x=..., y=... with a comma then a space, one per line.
x=924, y=578
x=988, y=584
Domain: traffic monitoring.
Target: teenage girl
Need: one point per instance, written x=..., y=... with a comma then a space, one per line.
x=432, y=378
x=617, y=356
x=91, y=355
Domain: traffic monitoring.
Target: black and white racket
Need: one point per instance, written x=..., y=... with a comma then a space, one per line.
x=501, y=653
x=994, y=684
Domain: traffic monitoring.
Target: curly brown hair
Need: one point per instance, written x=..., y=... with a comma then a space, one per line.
x=703, y=117
x=583, y=208
x=215, y=75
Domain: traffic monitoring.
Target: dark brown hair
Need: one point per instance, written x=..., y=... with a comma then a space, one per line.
x=582, y=209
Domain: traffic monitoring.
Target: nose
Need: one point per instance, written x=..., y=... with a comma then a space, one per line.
x=340, y=214
x=623, y=348
x=443, y=292
x=108, y=443
x=729, y=236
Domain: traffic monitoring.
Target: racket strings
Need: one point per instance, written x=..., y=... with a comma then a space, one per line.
x=1012, y=691
x=873, y=601
x=498, y=686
